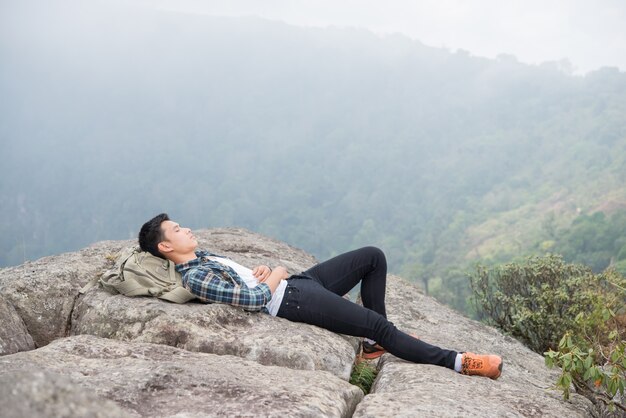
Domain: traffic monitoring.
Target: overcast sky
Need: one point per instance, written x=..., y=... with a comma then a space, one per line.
x=590, y=34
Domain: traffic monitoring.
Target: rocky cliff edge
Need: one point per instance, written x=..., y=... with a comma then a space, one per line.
x=66, y=354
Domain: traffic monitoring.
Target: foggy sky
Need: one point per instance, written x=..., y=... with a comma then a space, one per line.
x=101, y=97
x=588, y=34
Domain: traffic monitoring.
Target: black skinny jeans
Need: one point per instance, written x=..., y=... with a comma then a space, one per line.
x=315, y=297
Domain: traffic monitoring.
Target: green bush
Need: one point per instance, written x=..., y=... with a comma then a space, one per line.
x=539, y=300
x=572, y=316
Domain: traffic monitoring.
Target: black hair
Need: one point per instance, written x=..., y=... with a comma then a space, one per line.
x=151, y=234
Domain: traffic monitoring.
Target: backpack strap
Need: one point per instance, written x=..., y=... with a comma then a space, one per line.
x=91, y=283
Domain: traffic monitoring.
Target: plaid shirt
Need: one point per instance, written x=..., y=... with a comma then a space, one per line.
x=214, y=282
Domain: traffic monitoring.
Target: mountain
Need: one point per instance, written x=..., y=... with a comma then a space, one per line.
x=324, y=138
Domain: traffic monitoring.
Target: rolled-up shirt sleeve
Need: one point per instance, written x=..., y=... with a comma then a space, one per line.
x=212, y=287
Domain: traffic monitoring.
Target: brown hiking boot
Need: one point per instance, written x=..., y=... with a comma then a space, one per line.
x=373, y=351
x=488, y=365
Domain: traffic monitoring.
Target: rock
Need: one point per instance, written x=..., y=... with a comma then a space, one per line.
x=221, y=329
x=405, y=389
x=125, y=375
x=43, y=291
x=45, y=294
x=157, y=380
x=214, y=328
x=14, y=336
x=35, y=393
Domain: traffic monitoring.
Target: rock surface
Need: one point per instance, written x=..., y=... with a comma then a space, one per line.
x=86, y=373
x=403, y=389
x=217, y=329
x=124, y=375
x=30, y=392
x=221, y=329
x=43, y=291
x=14, y=336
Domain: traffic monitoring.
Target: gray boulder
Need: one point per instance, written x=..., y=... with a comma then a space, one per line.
x=221, y=329
x=403, y=389
x=31, y=392
x=214, y=328
x=14, y=336
x=106, y=378
x=46, y=297
x=43, y=291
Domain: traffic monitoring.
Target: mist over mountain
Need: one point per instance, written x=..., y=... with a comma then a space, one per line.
x=327, y=139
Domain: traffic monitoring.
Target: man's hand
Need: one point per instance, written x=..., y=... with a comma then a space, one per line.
x=279, y=273
x=282, y=272
x=272, y=279
x=261, y=273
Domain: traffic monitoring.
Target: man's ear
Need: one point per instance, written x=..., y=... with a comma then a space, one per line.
x=164, y=247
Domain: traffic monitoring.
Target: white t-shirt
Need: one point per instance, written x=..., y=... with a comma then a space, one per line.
x=246, y=274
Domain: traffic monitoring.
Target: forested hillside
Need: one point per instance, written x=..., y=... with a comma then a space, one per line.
x=325, y=138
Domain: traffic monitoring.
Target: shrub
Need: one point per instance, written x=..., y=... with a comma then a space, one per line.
x=539, y=300
x=572, y=316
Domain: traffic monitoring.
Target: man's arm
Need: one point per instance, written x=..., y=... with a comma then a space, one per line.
x=210, y=286
x=273, y=279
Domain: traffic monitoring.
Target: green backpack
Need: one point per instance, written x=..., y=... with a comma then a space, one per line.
x=139, y=273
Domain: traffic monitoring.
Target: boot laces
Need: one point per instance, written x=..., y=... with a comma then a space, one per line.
x=471, y=363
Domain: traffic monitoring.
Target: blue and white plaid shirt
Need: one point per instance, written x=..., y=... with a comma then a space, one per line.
x=215, y=282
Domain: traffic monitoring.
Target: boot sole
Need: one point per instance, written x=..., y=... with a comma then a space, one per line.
x=372, y=356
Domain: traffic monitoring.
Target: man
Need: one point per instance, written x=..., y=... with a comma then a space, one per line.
x=313, y=296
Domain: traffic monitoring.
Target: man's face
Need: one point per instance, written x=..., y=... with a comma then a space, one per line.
x=177, y=239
